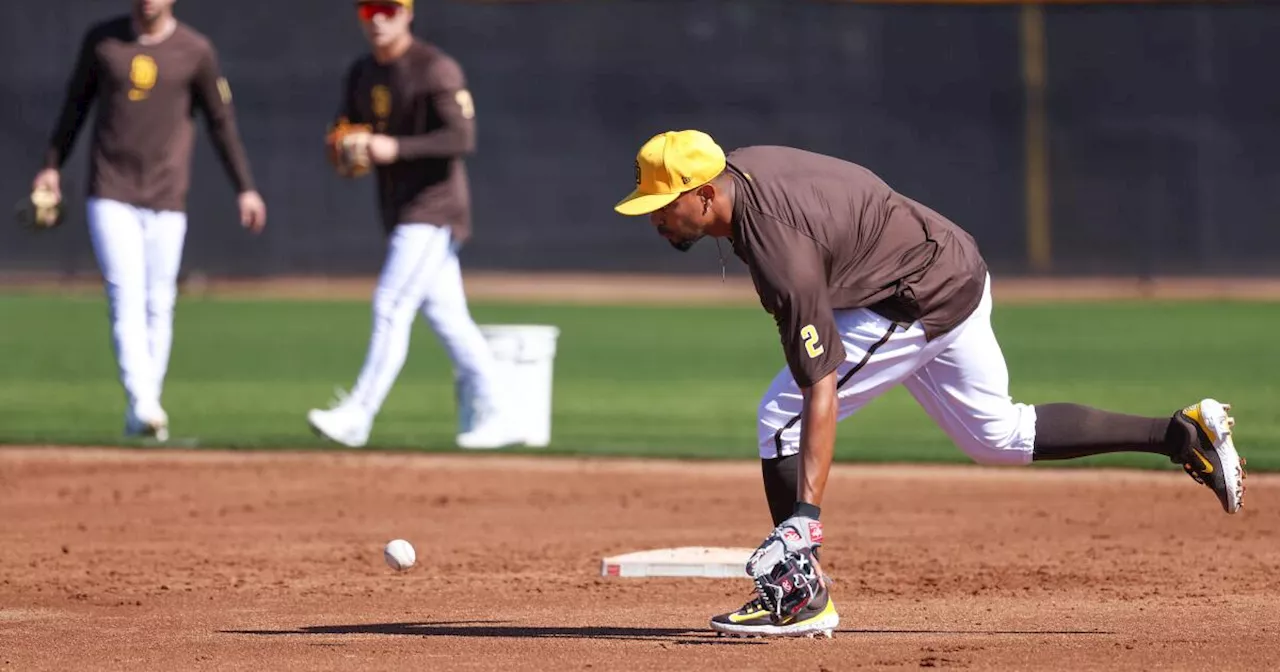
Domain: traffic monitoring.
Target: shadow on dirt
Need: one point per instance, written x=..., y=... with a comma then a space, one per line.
x=983, y=633
x=502, y=629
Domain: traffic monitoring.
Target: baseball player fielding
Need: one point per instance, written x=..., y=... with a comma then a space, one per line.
x=871, y=289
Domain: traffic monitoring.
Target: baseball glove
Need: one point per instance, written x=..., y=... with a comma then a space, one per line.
x=348, y=148
x=41, y=210
x=790, y=586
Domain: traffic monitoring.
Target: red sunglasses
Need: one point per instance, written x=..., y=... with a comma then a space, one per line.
x=369, y=10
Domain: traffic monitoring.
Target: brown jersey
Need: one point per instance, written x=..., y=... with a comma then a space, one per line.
x=821, y=234
x=143, y=132
x=421, y=99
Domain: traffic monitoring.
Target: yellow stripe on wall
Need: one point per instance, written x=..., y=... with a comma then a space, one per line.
x=1036, y=140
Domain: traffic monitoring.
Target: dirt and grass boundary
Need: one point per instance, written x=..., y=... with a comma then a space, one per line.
x=627, y=288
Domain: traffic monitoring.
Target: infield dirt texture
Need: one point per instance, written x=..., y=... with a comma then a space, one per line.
x=127, y=560
x=120, y=559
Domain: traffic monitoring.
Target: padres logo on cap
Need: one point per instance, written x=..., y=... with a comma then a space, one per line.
x=668, y=165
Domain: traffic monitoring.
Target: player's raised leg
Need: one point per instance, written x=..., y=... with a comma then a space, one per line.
x=414, y=255
x=965, y=389
x=117, y=233
x=1198, y=437
x=164, y=233
x=482, y=401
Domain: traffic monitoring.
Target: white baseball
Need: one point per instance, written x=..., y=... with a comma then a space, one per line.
x=399, y=554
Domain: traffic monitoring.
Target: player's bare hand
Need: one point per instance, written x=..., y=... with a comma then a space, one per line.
x=383, y=149
x=253, y=211
x=48, y=179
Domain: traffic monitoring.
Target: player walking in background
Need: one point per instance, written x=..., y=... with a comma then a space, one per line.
x=869, y=290
x=146, y=71
x=407, y=111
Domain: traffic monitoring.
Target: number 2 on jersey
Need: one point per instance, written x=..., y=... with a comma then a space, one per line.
x=810, y=335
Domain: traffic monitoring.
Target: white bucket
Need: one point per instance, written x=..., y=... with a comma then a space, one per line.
x=525, y=356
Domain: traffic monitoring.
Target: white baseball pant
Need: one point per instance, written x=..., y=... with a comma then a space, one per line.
x=139, y=252
x=960, y=379
x=422, y=273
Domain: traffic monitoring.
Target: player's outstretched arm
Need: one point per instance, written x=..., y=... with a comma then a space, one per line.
x=786, y=268
x=787, y=272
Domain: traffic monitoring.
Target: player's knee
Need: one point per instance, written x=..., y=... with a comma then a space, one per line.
x=763, y=411
x=160, y=303
x=124, y=305
x=766, y=421
x=999, y=441
x=442, y=317
x=391, y=310
x=778, y=416
x=775, y=430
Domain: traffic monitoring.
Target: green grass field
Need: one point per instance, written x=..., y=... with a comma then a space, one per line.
x=628, y=380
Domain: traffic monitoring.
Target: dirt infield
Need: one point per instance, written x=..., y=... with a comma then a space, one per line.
x=116, y=559
x=667, y=289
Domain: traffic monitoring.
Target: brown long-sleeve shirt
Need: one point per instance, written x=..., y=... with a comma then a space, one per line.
x=820, y=234
x=422, y=100
x=143, y=131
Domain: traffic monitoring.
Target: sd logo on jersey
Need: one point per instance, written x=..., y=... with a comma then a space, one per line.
x=380, y=101
x=142, y=74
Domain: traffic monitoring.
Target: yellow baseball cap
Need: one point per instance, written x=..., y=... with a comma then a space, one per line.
x=668, y=165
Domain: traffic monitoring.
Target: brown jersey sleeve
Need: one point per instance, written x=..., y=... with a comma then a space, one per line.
x=212, y=94
x=451, y=100
x=787, y=269
x=82, y=88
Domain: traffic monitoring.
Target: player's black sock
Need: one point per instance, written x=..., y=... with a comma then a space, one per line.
x=1068, y=431
x=781, y=477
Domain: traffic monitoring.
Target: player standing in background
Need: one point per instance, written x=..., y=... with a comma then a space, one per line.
x=147, y=72
x=869, y=290
x=415, y=101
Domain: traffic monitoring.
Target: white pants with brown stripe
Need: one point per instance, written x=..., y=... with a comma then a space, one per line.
x=422, y=275
x=960, y=379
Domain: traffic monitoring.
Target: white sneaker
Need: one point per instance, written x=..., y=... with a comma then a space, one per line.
x=491, y=430
x=147, y=421
x=344, y=423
